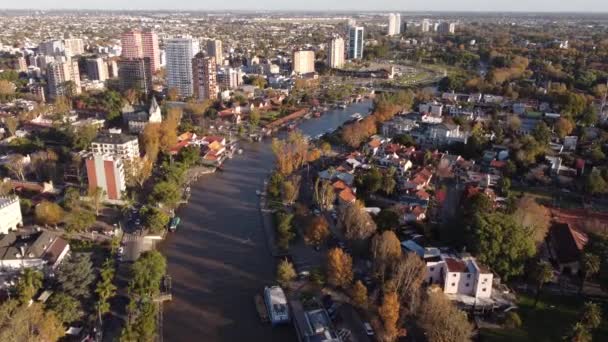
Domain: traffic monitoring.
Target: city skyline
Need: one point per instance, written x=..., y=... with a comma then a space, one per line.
x=547, y=6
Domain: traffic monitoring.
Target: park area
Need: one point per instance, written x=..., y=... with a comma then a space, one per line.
x=553, y=318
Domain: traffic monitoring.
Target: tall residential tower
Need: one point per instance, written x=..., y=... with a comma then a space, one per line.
x=180, y=51
x=335, y=53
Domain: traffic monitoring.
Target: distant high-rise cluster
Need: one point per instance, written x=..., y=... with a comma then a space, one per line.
x=355, y=42
x=394, y=24
x=141, y=44
x=443, y=27
x=179, y=53
x=335, y=53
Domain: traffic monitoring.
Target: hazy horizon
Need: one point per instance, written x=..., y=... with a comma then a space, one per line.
x=546, y=6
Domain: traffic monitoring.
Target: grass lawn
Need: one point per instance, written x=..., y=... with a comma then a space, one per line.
x=549, y=321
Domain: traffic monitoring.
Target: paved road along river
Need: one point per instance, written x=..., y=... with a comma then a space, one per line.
x=218, y=259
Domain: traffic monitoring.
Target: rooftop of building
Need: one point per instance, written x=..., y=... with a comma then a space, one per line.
x=112, y=138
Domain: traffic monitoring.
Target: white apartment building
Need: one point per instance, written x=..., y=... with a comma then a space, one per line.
x=73, y=47
x=456, y=275
x=229, y=78
x=335, y=53
x=394, y=24
x=120, y=145
x=10, y=214
x=425, y=26
x=179, y=53
x=58, y=73
x=355, y=42
x=304, y=62
x=108, y=173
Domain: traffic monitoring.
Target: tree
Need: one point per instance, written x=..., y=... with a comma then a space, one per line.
x=389, y=313
x=168, y=129
x=358, y=292
x=387, y=219
x=151, y=141
x=542, y=274
x=324, y=195
x=512, y=320
x=254, y=118
x=84, y=136
x=97, y=195
x=291, y=189
x=28, y=284
x=67, y=308
x=339, y=268
x=155, y=219
x=23, y=323
x=274, y=184
x=285, y=272
x=590, y=266
x=501, y=243
x=75, y=276
x=148, y=271
x=385, y=251
x=105, y=288
x=16, y=166
x=407, y=278
x=167, y=193
x=595, y=183
x=79, y=219
x=189, y=155
x=173, y=94
x=358, y=223
x=11, y=125
x=388, y=181
x=48, y=213
x=542, y=133
x=442, y=321
x=371, y=181
x=138, y=170
x=533, y=216
x=317, y=231
x=563, y=127
x=284, y=229
x=7, y=89
x=591, y=317
x=579, y=333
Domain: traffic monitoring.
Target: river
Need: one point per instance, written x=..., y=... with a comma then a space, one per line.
x=218, y=258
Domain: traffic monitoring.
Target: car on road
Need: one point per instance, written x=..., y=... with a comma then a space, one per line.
x=368, y=329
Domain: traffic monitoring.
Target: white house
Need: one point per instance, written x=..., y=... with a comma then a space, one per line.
x=39, y=250
x=10, y=214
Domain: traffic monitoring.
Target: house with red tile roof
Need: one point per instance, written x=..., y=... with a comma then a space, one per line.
x=565, y=244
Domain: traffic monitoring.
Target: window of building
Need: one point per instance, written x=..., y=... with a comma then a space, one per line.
x=432, y=269
x=469, y=276
x=453, y=284
x=467, y=284
x=454, y=274
x=483, y=290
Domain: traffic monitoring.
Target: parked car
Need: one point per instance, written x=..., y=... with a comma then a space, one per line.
x=368, y=329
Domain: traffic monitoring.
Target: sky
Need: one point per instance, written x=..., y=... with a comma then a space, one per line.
x=315, y=5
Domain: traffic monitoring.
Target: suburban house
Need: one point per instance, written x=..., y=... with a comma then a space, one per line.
x=565, y=245
x=39, y=250
x=10, y=214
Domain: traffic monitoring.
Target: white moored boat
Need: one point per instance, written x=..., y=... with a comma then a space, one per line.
x=276, y=303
